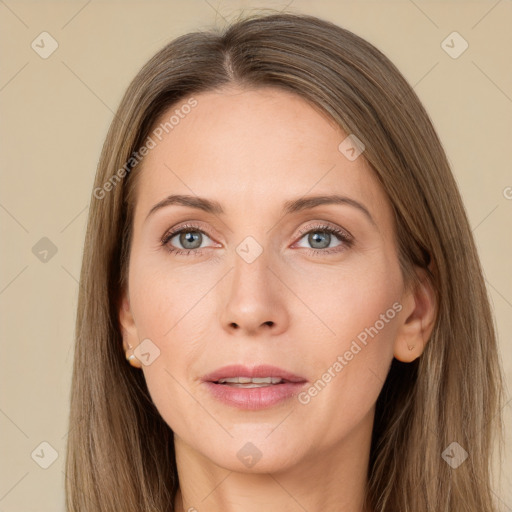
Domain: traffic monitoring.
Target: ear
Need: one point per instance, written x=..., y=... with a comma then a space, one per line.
x=128, y=329
x=420, y=310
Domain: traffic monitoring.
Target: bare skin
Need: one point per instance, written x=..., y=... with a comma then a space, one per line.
x=297, y=306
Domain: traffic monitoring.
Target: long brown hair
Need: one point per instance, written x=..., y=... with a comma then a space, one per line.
x=120, y=453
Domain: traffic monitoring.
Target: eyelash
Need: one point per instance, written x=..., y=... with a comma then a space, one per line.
x=340, y=234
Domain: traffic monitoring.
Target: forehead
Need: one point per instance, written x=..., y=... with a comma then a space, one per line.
x=251, y=148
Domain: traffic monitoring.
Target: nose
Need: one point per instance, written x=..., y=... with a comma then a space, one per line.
x=255, y=302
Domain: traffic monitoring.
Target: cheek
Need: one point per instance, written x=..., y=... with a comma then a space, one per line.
x=164, y=297
x=174, y=318
x=343, y=329
x=350, y=363
x=345, y=302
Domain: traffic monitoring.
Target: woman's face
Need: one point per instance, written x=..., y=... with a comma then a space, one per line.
x=257, y=278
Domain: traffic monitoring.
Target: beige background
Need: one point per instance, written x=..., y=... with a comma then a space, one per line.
x=54, y=116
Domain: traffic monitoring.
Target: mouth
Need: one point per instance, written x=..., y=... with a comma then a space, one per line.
x=253, y=388
x=247, y=382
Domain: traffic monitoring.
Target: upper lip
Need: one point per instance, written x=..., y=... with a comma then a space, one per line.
x=239, y=370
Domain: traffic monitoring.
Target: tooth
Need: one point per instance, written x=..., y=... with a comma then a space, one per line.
x=247, y=386
x=230, y=379
x=248, y=380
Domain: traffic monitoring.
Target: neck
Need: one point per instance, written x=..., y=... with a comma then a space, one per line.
x=330, y=478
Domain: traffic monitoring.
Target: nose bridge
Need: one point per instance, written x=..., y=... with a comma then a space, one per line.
x=251, y=258
x=251, y=275
x=252, y=301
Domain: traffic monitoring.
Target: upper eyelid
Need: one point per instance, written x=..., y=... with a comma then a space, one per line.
x=174, y=231
x=325, y=225
x=171, y=233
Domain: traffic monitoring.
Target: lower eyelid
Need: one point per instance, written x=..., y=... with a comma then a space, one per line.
x=344, y=239
x=171, y=233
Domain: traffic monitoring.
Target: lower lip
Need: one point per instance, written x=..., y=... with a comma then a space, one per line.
x=254, y=398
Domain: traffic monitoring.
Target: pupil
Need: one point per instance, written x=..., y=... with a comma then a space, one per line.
x=189, y=238
x=317, y=239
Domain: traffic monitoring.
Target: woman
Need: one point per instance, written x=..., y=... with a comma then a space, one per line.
x=277, y=246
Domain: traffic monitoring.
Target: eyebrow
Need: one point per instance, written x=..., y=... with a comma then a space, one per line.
x=292, y=206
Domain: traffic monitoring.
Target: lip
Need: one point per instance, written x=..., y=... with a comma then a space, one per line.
x=239, y=370
x=253, y=398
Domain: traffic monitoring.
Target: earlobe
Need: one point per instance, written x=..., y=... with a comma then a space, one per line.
x=419, y=320
x=128, y=329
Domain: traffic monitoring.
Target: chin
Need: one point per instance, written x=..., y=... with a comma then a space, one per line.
x=252, y=456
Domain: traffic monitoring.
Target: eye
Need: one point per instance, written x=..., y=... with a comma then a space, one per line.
x=322, y=237
x=189, y=237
